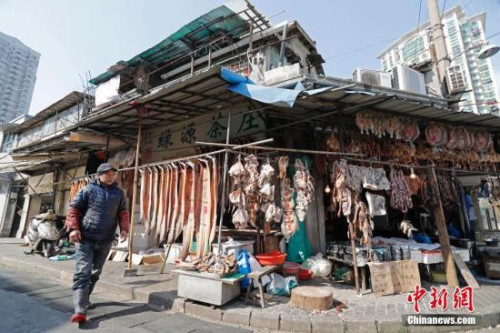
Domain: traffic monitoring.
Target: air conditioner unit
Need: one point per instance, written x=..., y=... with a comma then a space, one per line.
x=456, y=79
x=372, y=77
x=405, y=78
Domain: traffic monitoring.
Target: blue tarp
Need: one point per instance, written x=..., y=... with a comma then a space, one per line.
x=270, y=95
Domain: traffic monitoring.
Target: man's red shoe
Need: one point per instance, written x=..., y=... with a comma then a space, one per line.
x=78, y=318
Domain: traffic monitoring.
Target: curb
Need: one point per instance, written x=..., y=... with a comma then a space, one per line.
x=247, y=318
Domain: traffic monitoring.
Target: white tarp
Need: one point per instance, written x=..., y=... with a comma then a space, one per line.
x=107, y=91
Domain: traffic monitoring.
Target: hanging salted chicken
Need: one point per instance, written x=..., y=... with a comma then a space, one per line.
x=272, y=213
x=251, y=188
x=304, y=187
x=290, y=222
x=237, y=197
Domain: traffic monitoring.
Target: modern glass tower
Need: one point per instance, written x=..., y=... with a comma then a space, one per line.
x=18, y=66
x=468, y=75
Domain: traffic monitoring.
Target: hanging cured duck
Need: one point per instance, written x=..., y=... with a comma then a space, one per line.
x=392, y=126
x=436, y=134
x=409, y=131
x=482, y=141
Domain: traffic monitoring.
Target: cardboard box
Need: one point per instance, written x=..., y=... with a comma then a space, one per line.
x=152, y=259
x=394, y=277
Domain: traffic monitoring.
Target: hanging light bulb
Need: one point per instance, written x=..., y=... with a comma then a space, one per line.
x=327, y=189
x=413, y=175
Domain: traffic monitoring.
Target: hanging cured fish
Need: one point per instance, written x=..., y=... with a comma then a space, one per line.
x=175, y=205
x=161, y=190
x=215, y=197
x=150, y=196
x=182, y=200
x=202, y=239
x=166, y=184
x=154, y=207
x=188, y=231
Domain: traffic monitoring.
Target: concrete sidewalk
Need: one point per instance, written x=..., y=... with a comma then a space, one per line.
x=363, y=313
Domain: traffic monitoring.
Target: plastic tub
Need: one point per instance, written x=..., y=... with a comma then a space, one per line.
x=269, y=259
x=304, y=274
x=291, y=268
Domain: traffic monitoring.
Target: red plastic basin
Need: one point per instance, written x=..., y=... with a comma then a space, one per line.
x=291, y=268
x=304, y=274
x=274, y=258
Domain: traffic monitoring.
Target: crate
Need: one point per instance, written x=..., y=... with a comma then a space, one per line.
x=491, y=266
x=431, y=257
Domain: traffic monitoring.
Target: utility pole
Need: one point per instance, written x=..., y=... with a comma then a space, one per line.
x=439, y=54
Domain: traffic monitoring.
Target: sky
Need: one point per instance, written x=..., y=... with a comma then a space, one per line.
x=78, y=37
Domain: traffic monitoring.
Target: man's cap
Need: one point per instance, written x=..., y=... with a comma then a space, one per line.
x=104, y=167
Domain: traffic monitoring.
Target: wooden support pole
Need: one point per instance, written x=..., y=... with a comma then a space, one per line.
x=134, y=194
x=352, y=233
x=444, y=239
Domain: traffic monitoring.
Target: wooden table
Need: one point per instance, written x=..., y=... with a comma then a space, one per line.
x=258, y=275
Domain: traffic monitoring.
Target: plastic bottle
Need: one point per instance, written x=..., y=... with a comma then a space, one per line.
x=244, y=267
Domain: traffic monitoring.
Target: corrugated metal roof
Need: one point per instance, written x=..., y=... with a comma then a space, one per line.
x=64, y=103
x=396, y=102
x=221, y=21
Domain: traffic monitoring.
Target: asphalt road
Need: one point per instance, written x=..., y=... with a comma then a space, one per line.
x=32, y=304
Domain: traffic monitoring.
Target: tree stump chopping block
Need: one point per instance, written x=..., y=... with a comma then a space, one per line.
x=312, y=298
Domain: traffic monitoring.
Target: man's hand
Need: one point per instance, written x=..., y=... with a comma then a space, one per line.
x=123, y=236
x=75, y=236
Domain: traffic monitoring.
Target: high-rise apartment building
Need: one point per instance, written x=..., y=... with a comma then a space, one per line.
x=18, y=66
x=468, y=75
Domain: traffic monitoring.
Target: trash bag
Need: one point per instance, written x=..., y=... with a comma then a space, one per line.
x=318, y=266
x=244, y=267
x=281, y=286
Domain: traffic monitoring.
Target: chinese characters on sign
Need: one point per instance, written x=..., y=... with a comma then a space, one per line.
x=187, y=134
x=165, y=139
x=462, y=298
x=216, y=129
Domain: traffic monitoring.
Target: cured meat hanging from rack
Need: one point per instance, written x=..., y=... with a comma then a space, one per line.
x=154, y=188
x=182, y=201
x=237, y=172
x=150, y=196
x=392, y=126
x=290, y=223
x=436, y=134
x=304, y=187
x=482, y=141
x=203, y=236
x=400, y=192
x=283, y=165
x=175, y=205
x=160, y=228
x=161, y=199
x=215, y=198
x=251, y=188
x=144, y=198
x=452, y=138
x=188, y=230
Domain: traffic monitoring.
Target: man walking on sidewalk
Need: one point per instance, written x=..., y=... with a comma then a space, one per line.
x=92, y=220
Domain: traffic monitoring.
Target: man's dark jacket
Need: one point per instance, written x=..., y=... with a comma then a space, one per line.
x=96, y=210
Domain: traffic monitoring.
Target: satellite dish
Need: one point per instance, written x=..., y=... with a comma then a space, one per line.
x=488, y=51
